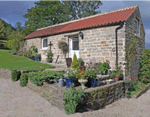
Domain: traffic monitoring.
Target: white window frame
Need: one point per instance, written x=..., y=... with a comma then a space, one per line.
x=137, y=23
x=42, y=43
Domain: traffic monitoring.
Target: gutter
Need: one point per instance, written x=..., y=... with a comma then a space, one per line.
x=116, y=30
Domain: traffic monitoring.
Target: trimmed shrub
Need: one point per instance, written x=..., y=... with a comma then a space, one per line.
x=71, y=99
x=15, y=75
x=24, y=80
x=39, y=77
x=49, y=56
x=75, y=64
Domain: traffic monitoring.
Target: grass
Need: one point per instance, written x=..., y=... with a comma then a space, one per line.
x=137, y=88
x=3, y=41
x=12, y=62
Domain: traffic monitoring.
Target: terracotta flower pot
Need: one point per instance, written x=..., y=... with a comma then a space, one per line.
x=117, y=77
x=82, y=68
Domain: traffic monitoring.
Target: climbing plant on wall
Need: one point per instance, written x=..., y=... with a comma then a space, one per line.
x=131, y=53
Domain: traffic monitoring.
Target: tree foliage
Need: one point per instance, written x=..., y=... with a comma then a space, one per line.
x=79, y=9
x=5, y=29
x=14, y=40
x=47, y=13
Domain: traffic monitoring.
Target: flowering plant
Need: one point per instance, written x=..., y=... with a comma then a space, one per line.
x=91, y=73
x=63, y=46
x=81, y=75
x=71, y=73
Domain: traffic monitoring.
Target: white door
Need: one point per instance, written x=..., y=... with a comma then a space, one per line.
x=74, y=47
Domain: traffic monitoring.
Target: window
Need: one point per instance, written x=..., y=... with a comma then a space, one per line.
x=137, y=26
x=44, y=43
x=75, y=44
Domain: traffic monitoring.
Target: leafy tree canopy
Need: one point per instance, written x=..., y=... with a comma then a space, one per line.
x=5, y=29
x=46, y=13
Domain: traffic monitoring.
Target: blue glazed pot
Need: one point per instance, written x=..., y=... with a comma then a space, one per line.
x=97, y=82
x=101, y=72
x=36, y=59
x=93, y=82
x=68, y=82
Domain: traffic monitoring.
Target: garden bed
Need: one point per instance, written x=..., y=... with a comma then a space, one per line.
x=139, y=93
x=109, y=93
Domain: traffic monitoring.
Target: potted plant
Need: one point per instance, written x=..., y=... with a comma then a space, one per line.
x=81, y=62
x=92, y=74
x=104, y=67
x=49, y=56
x=82, y=79
x=118, y=74
x=37, y=57
x=71, y=74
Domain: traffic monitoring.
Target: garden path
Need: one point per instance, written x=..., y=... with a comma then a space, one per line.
x=16, y=101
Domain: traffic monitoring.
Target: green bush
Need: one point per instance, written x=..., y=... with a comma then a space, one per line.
x=75, y=64
x=49, y=56
x=15, y=75
x=71, y=99
x=104, y=67
x=39, y=77
x=33, y=49
x=145, y=65
x=24, y=80
x=81, y=62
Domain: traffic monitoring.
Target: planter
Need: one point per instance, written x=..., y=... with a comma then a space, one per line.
x=68, y=82
x=88, y=84
x=93, y=82
x=36, y=59
x=101, y=72
x=117, y=77
x=97, y=82
x=68, y=61
x=83, y=82
x=75, y=82
x=82, y=68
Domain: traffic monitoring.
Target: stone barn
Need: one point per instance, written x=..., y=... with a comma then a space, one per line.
x=94, y=37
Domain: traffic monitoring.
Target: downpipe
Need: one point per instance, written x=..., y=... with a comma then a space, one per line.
x=116, y=32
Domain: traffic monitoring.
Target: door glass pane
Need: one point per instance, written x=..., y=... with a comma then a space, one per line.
x=44, y=43
x=75, y=44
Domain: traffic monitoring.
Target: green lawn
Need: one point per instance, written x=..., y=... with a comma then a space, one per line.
x=12, y=62
x=3, y=41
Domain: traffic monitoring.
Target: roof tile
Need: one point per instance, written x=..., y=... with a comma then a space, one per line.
x=97, y=20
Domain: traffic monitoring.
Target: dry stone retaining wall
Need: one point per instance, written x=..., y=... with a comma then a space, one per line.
x=99, y=97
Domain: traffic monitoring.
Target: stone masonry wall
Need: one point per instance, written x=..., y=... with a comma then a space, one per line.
x=98, y=43
x=131, y=30
x=99, y=97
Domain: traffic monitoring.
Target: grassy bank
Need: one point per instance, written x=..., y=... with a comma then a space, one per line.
x=12, y=62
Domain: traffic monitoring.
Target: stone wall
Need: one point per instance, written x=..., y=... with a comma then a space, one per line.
x=99, y=97
x=98, y=43
x=131, y=32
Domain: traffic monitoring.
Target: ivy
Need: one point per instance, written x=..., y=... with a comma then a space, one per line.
x=131, y=53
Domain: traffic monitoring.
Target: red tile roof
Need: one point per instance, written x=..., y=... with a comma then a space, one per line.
x=89, y=22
